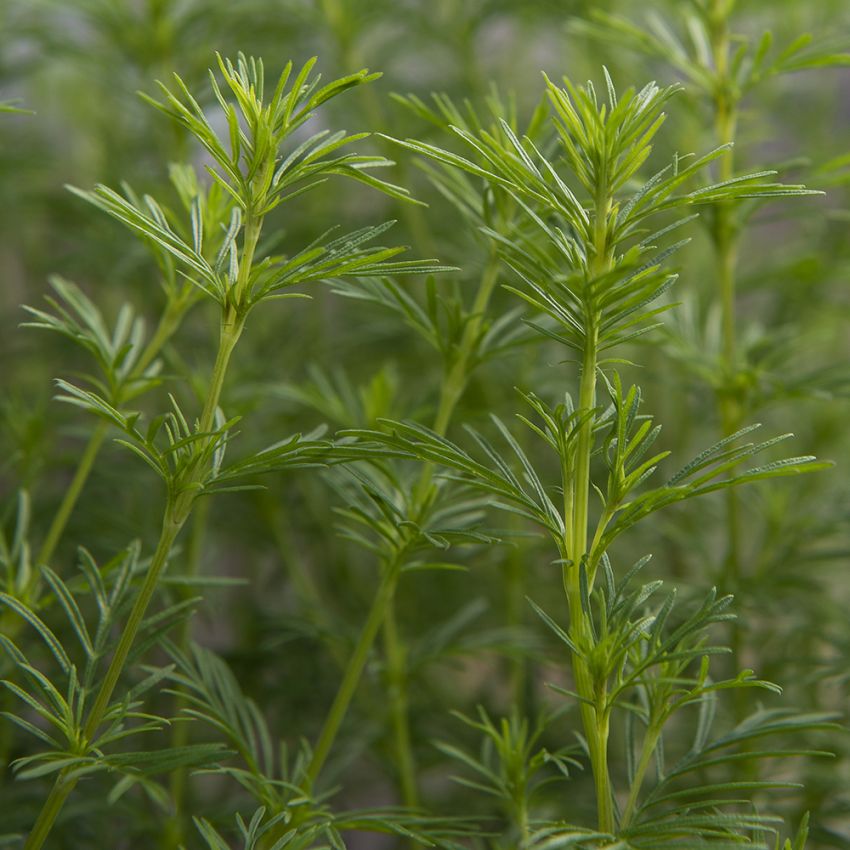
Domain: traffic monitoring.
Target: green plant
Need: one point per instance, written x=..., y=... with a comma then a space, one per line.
x=249, y=168
x=747, y=370
x=286, y=666
x=591, y=268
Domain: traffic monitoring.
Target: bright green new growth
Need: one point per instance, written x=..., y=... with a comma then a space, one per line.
x=591, y=265
x=257, y=175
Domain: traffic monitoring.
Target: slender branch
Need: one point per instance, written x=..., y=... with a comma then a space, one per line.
x=65, y=781
x=383, y=605
x=305, y=585
x=178, y=507
x=72, y=494
x=451, y=391
x=396, y=656
x=522, y=820
x=650, y=740
x=170, y=529
x=61, y=790
x=174, y=831
x=594, y=710
x=726, y=252
x=353, y=671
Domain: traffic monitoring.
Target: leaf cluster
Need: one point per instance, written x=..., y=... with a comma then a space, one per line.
x=59, y=711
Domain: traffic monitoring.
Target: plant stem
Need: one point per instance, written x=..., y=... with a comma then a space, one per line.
x=174, y=833
x=726, y=252
x=72, y=494
x=647, y=750
x=593, y=708
x=171, y=526
x=353, y=671
x=458, y=375
x=451, y=391
x=305, y=586
x=65, y=782
x=383, y=604
x=397, y=692
x=594, y=696
x=61, y=790
x=230, y=331
x=522, y=820
x=177, y=510
x=232, y=324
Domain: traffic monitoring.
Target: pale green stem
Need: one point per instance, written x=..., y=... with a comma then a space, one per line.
x=174, y=833
x=594, y=709
x=231, y=330
x=72, y=494
x=178, y=508
x=726, y=250
x=65, y=783
x=384, y=599
x=168, y=323
x=397, y=692
x=584, y=447
x=170, y=529
x=353, y=672
x=458, y=375
x=302, y=579
x=61, y=790
x=450, y=394
x=522, y=822
x=647, y=750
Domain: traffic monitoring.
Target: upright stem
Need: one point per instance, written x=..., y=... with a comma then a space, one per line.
x=522, y=821
x=353, y=672
x=725, y=126
x=396, y=656
x=383, y=605
x=171, y=526
x=61, y=790
x=581, y=496
x=450, y=394
x=306, y=589
x=650, y=741
x=459, y=374
x=593, y=694
x=65, y=782
x=174, y=832
x=726, y=250
x=230, y=331
x=72, y=494
x=177, y=510
x=594, y=710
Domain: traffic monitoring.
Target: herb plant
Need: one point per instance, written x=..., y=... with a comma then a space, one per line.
x=423, y=619
x=190, y=461
x=598, y=275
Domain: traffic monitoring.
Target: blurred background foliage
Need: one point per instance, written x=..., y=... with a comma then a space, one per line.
x=303, y=589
